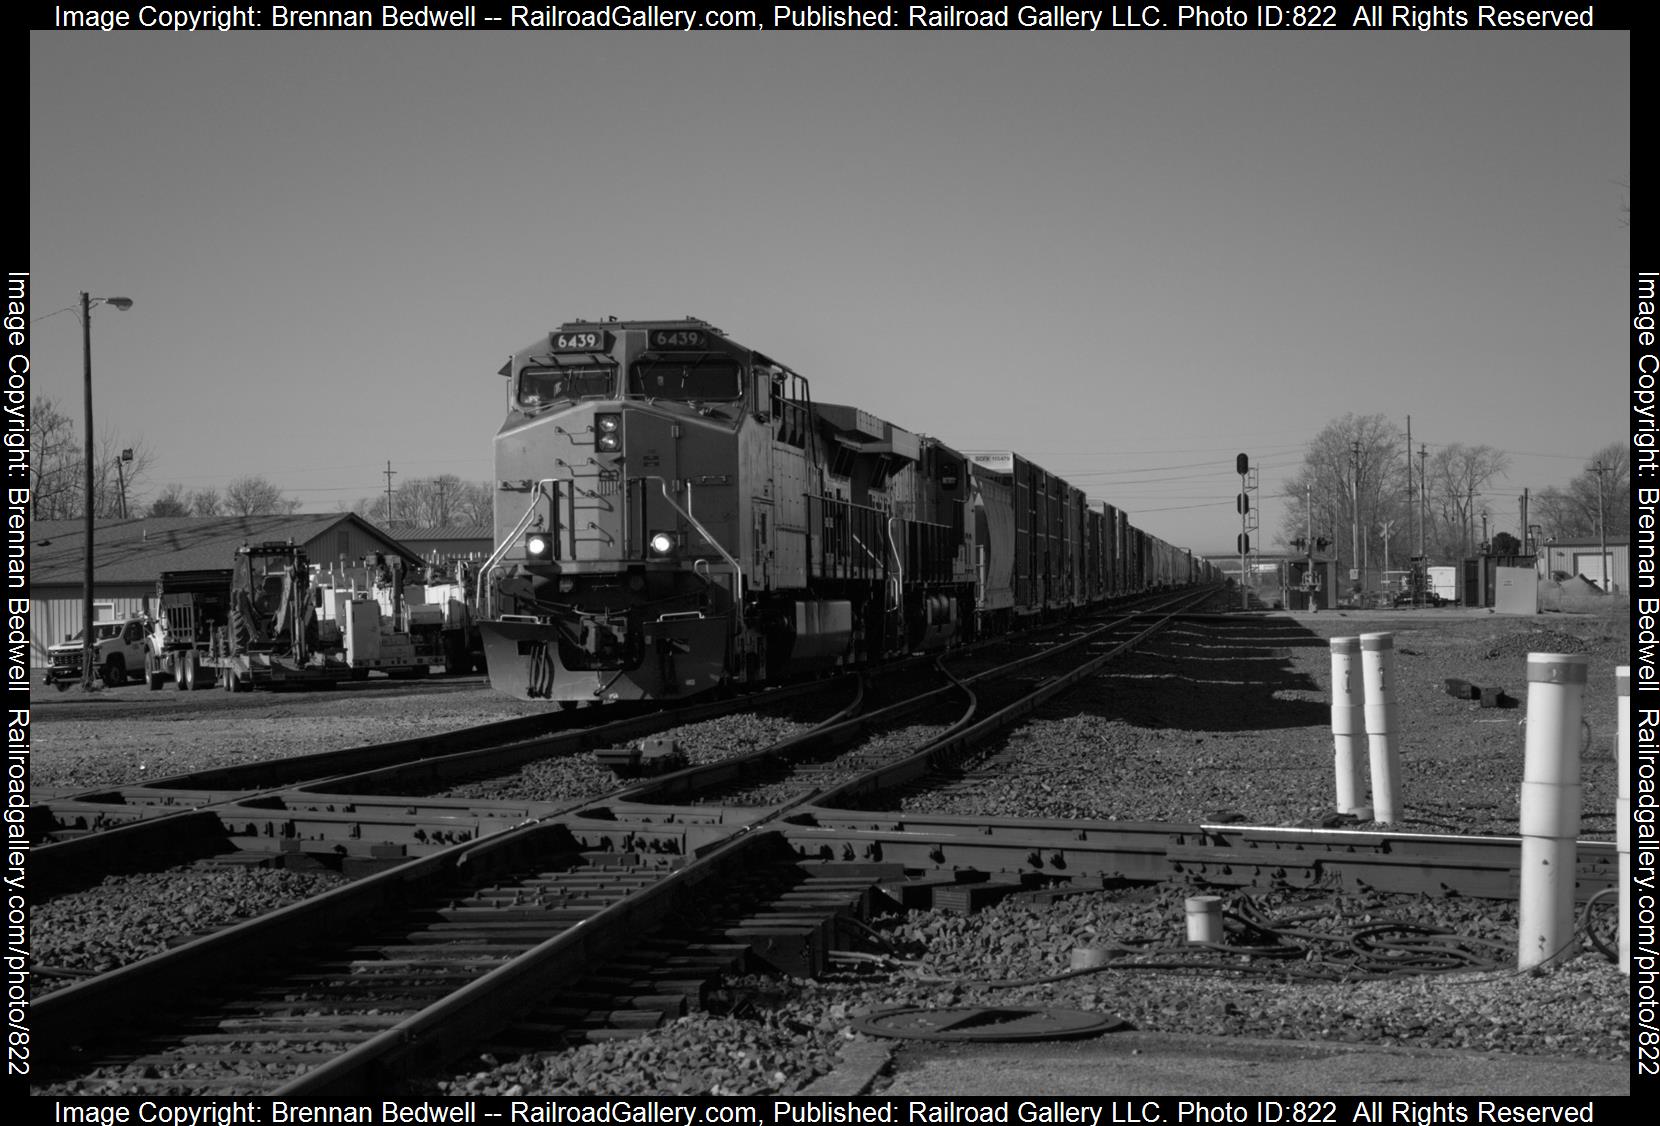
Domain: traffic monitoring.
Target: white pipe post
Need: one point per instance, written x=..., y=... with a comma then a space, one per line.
x=1348, y=722
x=1622, y=814
x=1204, y=919
x=1550, y=807
x=1378, y=675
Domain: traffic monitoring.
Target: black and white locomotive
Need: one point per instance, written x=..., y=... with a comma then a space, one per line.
x=675, y=513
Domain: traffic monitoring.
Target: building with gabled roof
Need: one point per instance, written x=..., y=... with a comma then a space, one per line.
x=130, y=555
x=445, y=543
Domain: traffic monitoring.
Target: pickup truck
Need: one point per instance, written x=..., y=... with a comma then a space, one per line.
x=119, y=647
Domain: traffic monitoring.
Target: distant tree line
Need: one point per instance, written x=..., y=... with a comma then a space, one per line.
x=1353, y=486
x=57, y=482
x=432, y=502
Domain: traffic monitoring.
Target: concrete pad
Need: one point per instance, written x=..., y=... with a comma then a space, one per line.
x=1136, y=1063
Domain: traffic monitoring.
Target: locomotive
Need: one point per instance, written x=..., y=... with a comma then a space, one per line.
x=675, y=513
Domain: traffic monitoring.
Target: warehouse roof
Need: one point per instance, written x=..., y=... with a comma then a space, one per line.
x=406, y=530
x=137, y=550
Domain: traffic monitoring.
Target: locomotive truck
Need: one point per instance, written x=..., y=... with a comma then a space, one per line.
x=676, y=513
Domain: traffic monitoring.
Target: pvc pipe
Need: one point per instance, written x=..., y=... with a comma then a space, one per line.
x=1622, y=814
x=1550, y=808
x=1089, y=957
x=1204, y=918
x=1377, y=652
x=1348, y=721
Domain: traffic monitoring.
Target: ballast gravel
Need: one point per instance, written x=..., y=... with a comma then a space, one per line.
x=1212, y=722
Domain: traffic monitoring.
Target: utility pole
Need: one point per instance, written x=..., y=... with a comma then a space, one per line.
x=1602, y=528
x=1387, y=524
x=1423, y=497
x=1242, y=465
x=389, y=472
x=1409, y=493
x=1354, y=499
x=89, y=647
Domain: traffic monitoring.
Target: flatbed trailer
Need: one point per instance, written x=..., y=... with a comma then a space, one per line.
x=191, y=605
x=286, y=627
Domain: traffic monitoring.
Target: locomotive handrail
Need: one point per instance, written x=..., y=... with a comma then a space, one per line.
x=737, y=572
x=511, y=538
x=898, y=577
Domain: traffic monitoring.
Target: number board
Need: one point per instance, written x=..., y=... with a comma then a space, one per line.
x=581, y=340
x=664, y=339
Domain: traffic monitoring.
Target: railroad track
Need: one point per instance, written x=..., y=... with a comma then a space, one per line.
x=634, y=905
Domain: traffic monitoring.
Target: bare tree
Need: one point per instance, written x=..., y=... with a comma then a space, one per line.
x=433, y=502
x=255, y=496
x=206, y=502
x=172, y=501
x=54, y=469
x=57, y=473
x=1457, y=475
x=1571, y=513
x=1350, y=487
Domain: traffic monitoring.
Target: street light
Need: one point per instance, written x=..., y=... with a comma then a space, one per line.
x=89, y=648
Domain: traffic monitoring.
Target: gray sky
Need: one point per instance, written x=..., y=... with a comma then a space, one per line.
x=1128, y=256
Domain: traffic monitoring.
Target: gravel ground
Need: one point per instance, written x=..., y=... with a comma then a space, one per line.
x=125, y=918
x=130, y=735
x=1180, y=735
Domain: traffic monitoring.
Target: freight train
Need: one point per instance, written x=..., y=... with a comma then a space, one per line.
x=675, y=513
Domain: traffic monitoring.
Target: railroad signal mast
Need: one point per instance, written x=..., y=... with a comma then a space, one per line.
x=1247, y=523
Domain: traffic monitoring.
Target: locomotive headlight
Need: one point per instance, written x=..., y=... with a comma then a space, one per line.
x=538, y=547
x=608, y=432
x=661, y=544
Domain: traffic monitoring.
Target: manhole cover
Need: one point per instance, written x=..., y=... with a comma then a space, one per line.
x=987, y=1024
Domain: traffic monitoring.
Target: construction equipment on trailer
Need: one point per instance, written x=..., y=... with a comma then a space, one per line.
x=439, y=616
x=191, y=605
x=287, y=626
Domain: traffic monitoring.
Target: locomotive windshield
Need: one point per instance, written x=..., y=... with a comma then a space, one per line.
x=685, y=378
x=539, y=386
